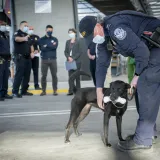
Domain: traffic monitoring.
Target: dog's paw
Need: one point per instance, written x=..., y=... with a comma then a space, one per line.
x=78, y=134
x=67, y=141
x=109, y=145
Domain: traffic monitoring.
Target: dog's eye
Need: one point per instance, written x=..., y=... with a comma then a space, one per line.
x=120, y=89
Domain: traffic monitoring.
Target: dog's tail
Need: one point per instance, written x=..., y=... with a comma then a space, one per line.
x=74, y=76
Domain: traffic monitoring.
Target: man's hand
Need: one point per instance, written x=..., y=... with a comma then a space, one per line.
x=134, y=83
x=70, y=59
x=93, y=57
x=36, y=51
x=100, y=98
x=26, y=38
x=32, y=55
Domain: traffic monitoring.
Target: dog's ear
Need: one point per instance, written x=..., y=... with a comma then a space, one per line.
x=128, y=86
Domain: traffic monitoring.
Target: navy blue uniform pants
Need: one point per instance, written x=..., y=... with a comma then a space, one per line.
x=4, y=75
x=93, y=70
x=22, y=76
x=35, y=66
x=148, y=89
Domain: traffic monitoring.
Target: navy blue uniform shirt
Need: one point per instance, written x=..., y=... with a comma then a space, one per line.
x=48, y=46
x=4, y=45
x=33, y=40
x=22, y=48
x=125, y=29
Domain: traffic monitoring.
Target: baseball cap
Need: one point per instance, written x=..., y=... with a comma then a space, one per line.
x=86, y=25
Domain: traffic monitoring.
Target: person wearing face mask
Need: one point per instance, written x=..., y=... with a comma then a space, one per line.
x=73, y=53
x=35, y=61
x=48, y=46
x=5, y=58
x=23, y=54
x=139, y=40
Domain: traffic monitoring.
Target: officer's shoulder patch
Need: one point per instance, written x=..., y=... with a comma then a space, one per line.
x=120, y=33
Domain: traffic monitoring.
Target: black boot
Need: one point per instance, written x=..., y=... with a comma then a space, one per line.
x=8, y=97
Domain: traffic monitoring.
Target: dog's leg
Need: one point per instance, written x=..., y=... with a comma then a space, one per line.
x=119, y=127
x=73, y=117
x=85, y=111
x=105, y=128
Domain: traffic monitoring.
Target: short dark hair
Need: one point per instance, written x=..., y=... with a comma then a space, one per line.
x=23, y=22
x=49, y=26
x=73, y=30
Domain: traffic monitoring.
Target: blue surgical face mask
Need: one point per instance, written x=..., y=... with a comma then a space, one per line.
x=30, y=32
x=49, y=33
x=25, y=29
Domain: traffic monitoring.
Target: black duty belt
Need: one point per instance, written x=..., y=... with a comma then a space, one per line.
x=152, y=37
x=26, y=56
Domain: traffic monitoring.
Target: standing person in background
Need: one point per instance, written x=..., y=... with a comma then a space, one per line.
x=5, y=57
x=73, y=53
x=35, y=61
x=92, y=57
x=48, y=45
x=23, y=54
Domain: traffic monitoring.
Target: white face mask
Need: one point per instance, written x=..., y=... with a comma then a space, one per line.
x=30, y=32
x=8, y=28
x=3, y=28
x=72, y=35
x=98, y=39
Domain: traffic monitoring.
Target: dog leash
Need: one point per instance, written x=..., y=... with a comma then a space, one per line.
x=134, y=91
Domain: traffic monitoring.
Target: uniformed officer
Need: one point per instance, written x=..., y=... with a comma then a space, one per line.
x=5, y=57
x=35, y=61
x=23, y=54
x=125, y=29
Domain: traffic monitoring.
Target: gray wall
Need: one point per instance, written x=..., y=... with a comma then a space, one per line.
x=61, y=18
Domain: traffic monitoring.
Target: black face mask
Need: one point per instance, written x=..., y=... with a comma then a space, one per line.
x=49, y=33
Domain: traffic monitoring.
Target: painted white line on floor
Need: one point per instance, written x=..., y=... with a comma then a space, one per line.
x=46, y=113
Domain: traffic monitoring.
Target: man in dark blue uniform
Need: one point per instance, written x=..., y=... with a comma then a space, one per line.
x=35, y=61
x=5, y=57
x=23, y=54
x=124, y=30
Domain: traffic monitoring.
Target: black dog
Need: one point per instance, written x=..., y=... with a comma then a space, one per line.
x=115, y=104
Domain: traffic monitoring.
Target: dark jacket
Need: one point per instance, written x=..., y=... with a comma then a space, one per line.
x=76, y=51
x=48, y=48
x=4, y=45
x=125, y=29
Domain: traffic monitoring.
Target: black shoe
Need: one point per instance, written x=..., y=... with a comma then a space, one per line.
x=69, y=94
x=2, y=99
x=154, y=138
x=55, y=93
x=16, y=95
x=131, y=145
x=27, y=94
x=8, y=97
x=43, y=94
x=38, y=88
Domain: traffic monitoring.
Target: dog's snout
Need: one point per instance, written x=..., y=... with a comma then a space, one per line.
x=113, y=97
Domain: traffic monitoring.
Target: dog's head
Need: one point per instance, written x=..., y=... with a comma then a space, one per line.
x=118, y=90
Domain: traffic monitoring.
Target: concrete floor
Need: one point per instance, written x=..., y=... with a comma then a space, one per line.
x=32, y=128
